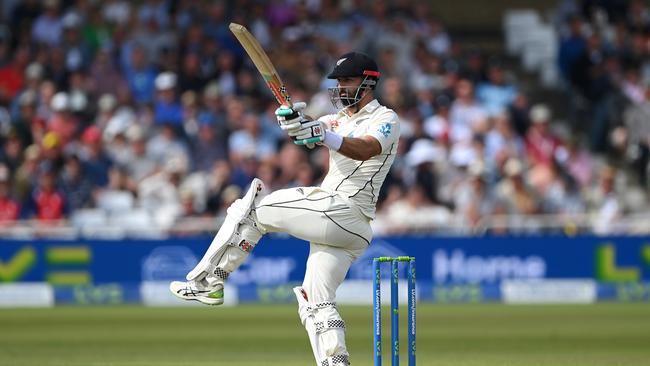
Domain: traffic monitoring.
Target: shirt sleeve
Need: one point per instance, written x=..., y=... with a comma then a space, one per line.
x=385, y=128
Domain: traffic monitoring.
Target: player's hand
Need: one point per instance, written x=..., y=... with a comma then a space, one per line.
x=310, y=132
x=291, y=119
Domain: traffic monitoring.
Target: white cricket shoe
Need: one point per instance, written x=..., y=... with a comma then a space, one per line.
x=192, y=290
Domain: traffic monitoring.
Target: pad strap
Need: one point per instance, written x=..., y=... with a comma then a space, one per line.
x=329, y=324
x=320, y=305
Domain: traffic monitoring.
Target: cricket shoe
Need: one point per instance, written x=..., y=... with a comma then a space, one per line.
x=191, y=290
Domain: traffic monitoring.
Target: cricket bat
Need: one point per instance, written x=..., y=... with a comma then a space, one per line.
x=265, y=67
x=262, y=63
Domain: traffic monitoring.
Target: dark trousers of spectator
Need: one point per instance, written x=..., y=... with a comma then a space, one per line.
x=641, y=164
x=599, y=126
x=591, y=118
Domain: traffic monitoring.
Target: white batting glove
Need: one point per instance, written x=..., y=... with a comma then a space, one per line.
x=291, y=119
x=310, y=132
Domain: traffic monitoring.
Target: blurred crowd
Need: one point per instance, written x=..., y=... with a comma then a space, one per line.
x=152, y=106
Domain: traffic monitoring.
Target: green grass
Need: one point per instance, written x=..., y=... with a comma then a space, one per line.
x=464, y=335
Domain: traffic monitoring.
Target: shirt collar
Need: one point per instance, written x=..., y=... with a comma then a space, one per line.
x=368, y=108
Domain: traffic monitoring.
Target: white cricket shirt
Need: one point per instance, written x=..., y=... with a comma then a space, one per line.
x=360, y=181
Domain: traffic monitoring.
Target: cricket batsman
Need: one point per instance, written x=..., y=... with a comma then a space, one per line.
x=334, y=218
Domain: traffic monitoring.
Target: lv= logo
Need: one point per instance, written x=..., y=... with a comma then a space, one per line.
x=63, y=263
x=608, y=270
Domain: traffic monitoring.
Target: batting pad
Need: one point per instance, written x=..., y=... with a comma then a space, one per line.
x=237, y=212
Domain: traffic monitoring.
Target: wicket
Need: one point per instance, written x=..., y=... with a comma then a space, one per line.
x=394, y=305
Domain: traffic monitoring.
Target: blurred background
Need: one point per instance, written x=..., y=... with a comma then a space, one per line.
x=146, y=118
x=128, y=127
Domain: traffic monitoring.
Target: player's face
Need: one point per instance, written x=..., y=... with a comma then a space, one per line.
x=347, y=91
x=348, y=86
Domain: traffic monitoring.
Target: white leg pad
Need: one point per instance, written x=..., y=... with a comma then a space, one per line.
x=238, y=217
x=325, y=328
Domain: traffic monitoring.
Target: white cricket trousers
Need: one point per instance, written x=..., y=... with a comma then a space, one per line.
x=337, y=231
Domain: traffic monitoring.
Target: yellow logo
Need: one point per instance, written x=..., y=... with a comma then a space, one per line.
x=18, y=265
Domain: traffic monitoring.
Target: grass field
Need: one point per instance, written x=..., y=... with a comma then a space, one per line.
x=464, y=335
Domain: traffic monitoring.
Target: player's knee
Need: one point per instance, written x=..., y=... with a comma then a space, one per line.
x=266, y=217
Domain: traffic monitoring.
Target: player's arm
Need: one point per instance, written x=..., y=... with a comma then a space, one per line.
x=360, y=148
x=304, y=131
x=357, y=148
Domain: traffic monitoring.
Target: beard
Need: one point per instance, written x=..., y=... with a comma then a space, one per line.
x=347, y=101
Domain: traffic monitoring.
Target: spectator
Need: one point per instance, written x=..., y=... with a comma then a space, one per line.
x=48, y=26
x=160, y=192
x=190, y=77
x=120, y=181
x=191, y=110
x=106, y=108
x=631, y=85
x=139, y=165
x=250, y=141
x=25, y=117
x=165, y=144
x=106, y=78
x=519, y=114
x=245, y=168
x=77, y=54
x=472, y=196
x=438, y=126
x=9, y=208
x=502, y=143
x=592, y=78
x=290, y=158
x=217, y=179
x=541, y=144
x=466, y=115
x=578, y=163
x=637, y=123
x=209, y=146
x=52, y=150
x=74, y=183
x=33, y=76
x=604, y=203
x=167, y=108
x=225, y=71
x=12, y=76
x=25, y=176
x=415, y=213
x=141, y=75
x=571, y=46
x=97, y=163
x=23, y=16
x=497, y=94
x=438, y=41
x=96, y=32
x=116, y=11
x=62, y=121
x=513, y=191
x=47, y=202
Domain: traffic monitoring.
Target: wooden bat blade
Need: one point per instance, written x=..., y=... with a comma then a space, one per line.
x=262, y=63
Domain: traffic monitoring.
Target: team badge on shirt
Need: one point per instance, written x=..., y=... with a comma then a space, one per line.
x=385, y=129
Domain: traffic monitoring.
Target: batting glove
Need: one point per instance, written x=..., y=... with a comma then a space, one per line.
x=291, y=119
x=310, y=132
